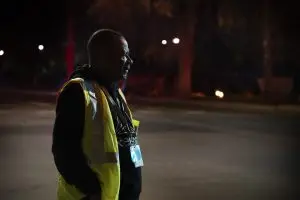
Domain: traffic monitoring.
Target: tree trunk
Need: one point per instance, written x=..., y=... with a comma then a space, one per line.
x=267, y=60
x=186, y=55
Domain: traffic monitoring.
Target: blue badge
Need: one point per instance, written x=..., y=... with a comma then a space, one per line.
x=136, y=156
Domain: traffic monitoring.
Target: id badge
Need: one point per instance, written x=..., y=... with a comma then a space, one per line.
x=136, y=156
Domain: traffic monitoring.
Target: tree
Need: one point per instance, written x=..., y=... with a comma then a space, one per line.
x=127, y=15
x=267, y=60
x=186, y=58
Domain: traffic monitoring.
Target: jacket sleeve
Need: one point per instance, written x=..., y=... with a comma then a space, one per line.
x=68, y=129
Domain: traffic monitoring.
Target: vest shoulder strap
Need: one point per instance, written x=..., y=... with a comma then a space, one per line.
x=75, y=80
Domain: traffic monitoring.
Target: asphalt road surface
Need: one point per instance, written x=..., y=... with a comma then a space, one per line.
x=188, y=154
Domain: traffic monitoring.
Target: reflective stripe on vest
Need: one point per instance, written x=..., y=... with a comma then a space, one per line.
x=98, y=155
x=99, y=144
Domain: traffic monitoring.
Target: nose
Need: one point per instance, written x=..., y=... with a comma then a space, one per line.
x=129, y=60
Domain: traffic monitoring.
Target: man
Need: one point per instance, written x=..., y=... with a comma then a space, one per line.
x=95, y=145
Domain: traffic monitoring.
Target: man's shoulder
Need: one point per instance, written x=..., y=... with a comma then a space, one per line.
x=70, y=89
x=70, y=96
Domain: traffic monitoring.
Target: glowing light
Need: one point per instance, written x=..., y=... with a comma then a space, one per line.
x=176, y=40
x=219, y=94
x=164, y=42
x=1, y=52
x=41, y=47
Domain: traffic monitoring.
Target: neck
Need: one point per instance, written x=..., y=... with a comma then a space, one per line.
x=111, y=86
x=112, y=89
x=107, y=83
x=104, y=80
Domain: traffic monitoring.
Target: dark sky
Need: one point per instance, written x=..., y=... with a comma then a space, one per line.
x=31, y=20
x=36, y=21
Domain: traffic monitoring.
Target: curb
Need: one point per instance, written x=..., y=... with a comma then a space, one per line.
x=214, y=105
x=17, y=96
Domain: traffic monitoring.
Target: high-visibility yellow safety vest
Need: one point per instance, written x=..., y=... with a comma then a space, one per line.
x=99, y=143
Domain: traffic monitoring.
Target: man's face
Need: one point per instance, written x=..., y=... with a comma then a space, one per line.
x=119, y=61
x=126, y=61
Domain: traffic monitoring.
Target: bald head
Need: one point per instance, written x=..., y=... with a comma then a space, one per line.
x=101, y=42
x=109, y=54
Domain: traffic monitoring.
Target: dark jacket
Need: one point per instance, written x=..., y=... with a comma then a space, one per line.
x=67, y=150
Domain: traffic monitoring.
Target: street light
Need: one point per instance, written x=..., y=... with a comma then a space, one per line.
x=219, y=94
x=1, y=52
x=41, y=47
x=164, y=42
x=176, y=40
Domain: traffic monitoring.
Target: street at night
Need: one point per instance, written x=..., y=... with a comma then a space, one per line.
x=188, y=154
x=214, y=84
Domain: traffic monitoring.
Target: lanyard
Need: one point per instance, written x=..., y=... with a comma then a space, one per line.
x=117, y=109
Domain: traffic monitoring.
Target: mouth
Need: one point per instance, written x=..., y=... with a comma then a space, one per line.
x=125, y=72
x=126, y=69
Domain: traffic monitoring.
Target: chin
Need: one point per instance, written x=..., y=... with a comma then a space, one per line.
x=125, y=76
